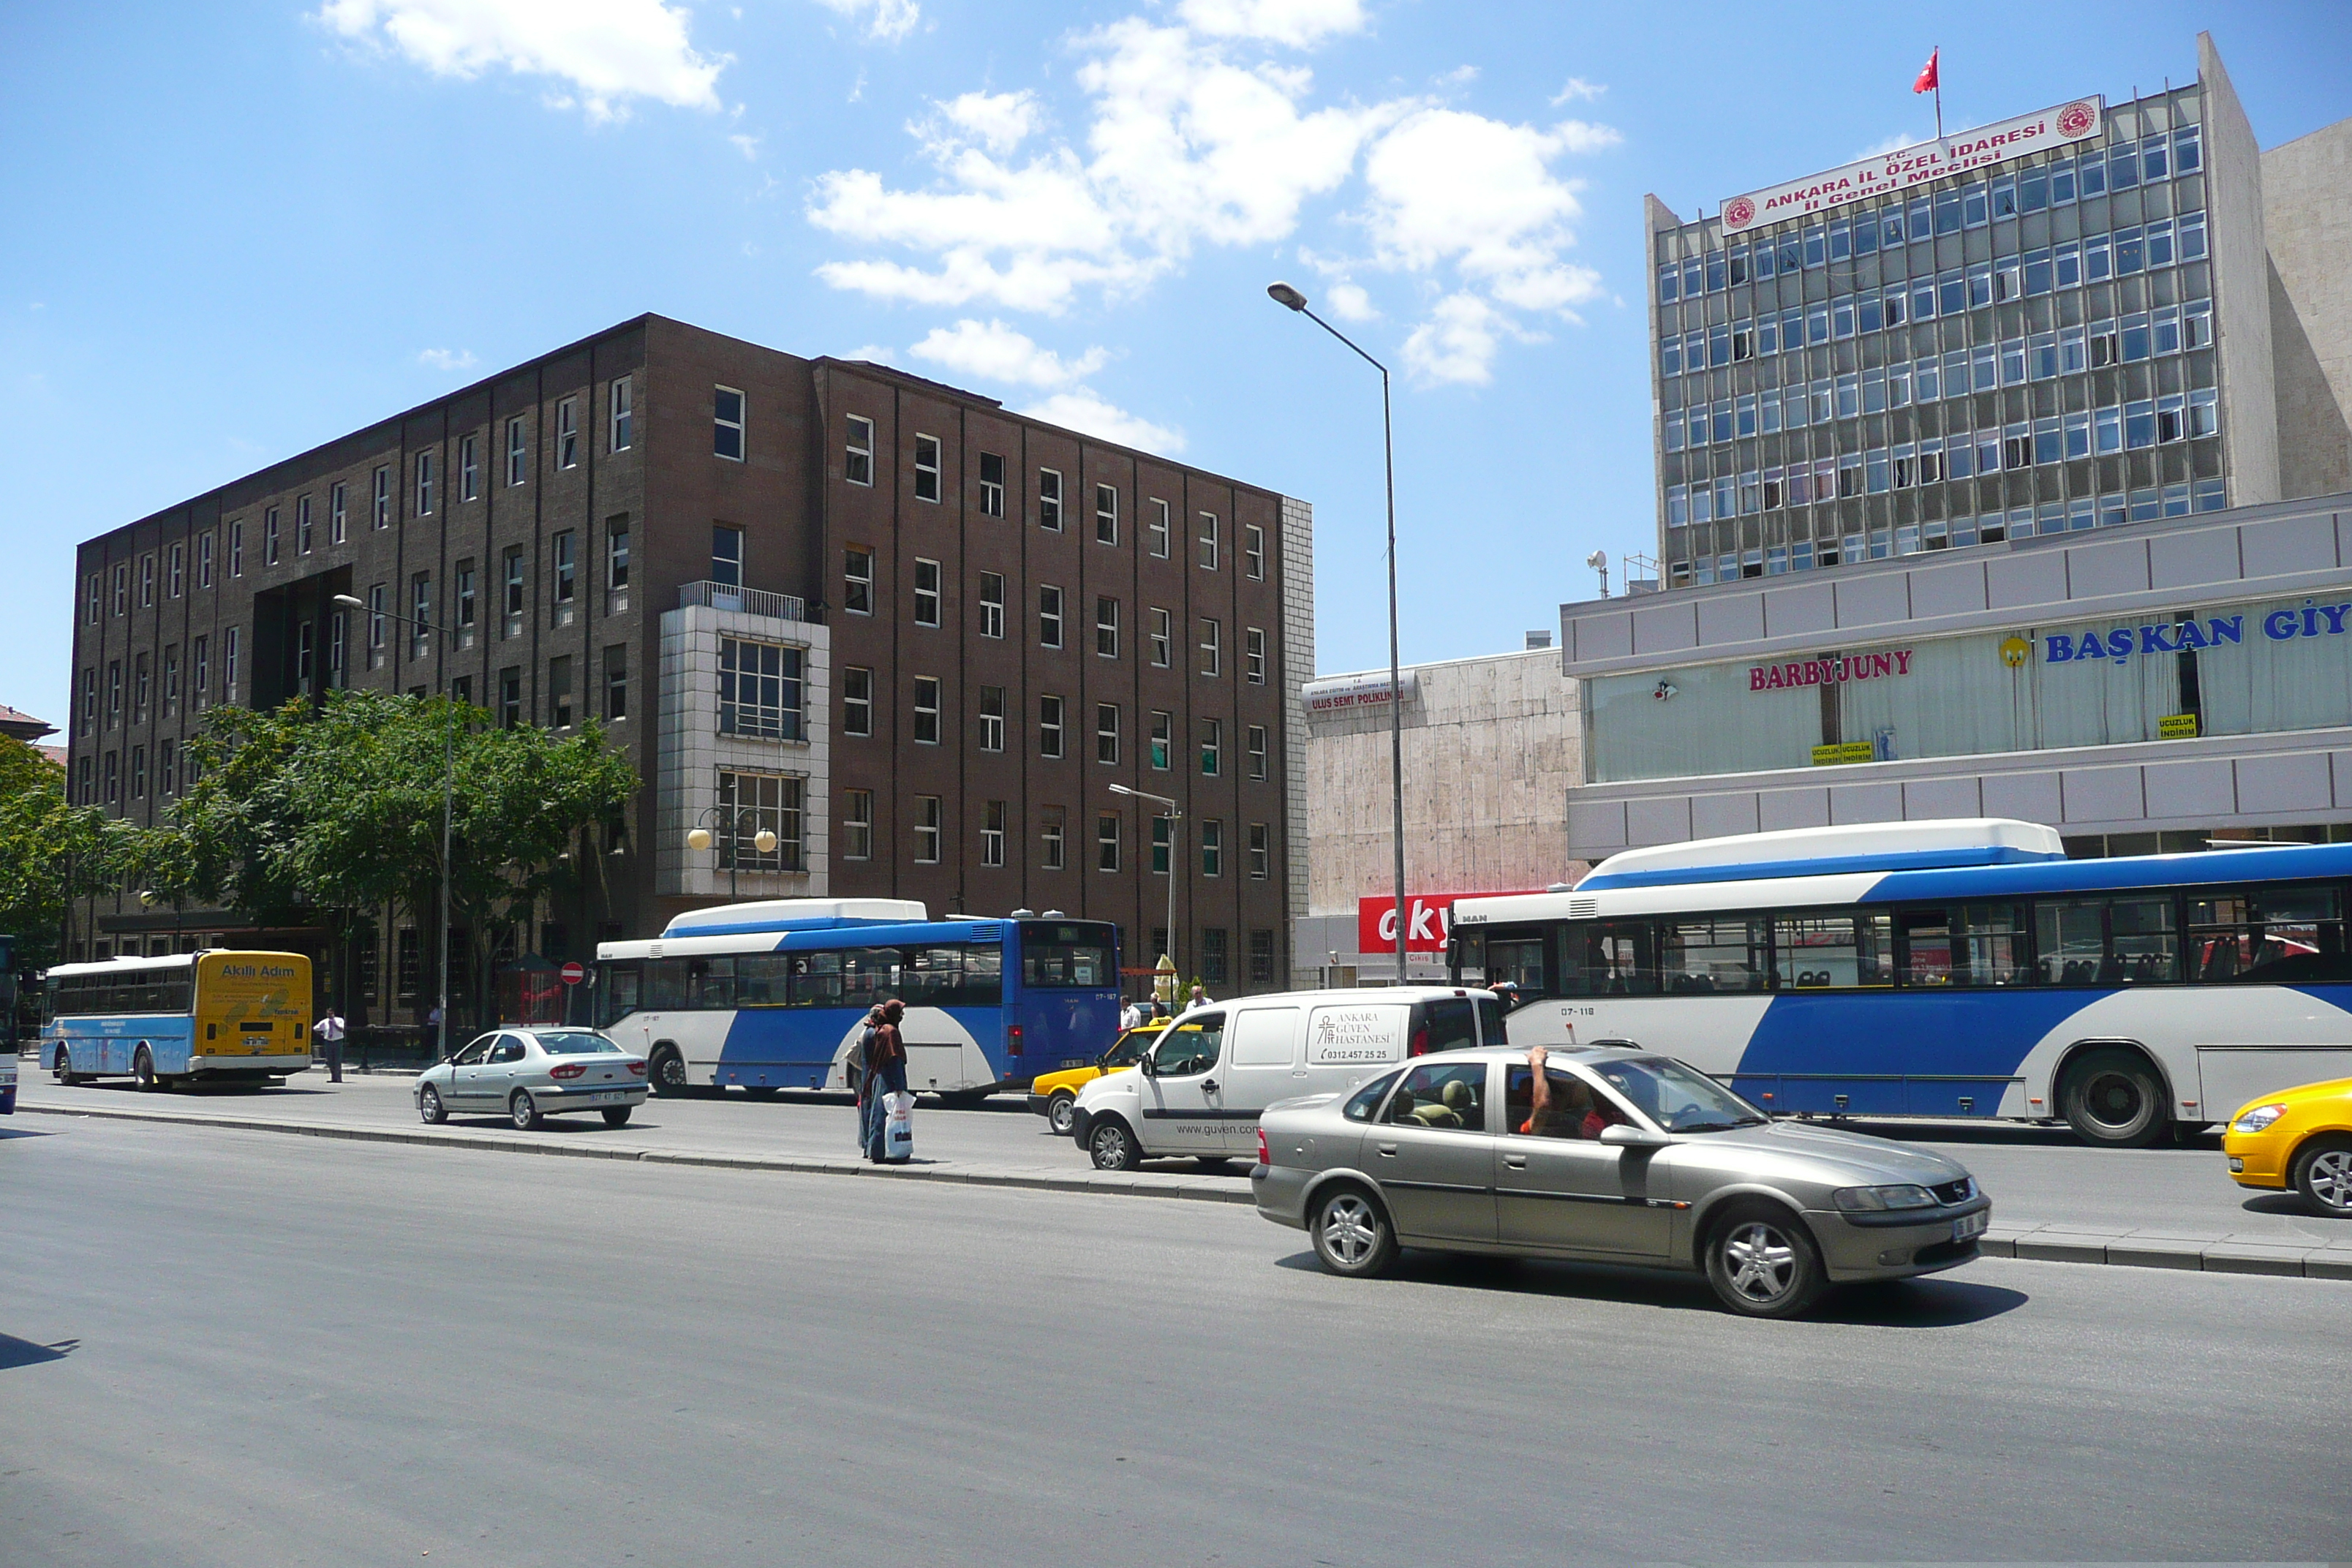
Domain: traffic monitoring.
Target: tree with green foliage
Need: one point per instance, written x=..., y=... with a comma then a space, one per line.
x=337, y=809
x=50, y=852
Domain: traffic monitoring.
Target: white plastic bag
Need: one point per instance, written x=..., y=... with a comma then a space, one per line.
x=898, y=1127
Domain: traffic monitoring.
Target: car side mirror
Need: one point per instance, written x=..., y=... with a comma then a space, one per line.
x=1625, y=1136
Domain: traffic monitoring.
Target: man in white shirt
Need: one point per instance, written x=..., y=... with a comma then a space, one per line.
x=1130, y=1016
x=1201, y=997
x=329, y=1030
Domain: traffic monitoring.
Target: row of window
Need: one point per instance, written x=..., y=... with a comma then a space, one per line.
x=1951, y=294
x=1987, y=367
x=141, y=682
x=2054, y=183
x=857, y=468
x=2092, y=432
x=2076, y=514
x=929, y=728
x=926, y=824
x=621, y=435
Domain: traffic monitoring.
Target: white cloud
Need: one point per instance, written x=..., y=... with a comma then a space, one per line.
x=1299, y=23
x=1460, y=76
x=1578, y=90
x=993, y=351
x=1082, y=408
x=887, y=21
x=999, y=121
x=1350, y=303
x=448, y=359
x=607, y=51
x=747, y=145
x=1459, y=341
x=1895, y=143
x=875, y=353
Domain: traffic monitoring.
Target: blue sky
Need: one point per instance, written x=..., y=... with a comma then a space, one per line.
x=234, y=231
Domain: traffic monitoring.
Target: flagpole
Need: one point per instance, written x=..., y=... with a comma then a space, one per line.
x=1938, y=58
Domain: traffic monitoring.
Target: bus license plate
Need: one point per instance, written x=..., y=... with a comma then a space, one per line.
x=1971, y=1225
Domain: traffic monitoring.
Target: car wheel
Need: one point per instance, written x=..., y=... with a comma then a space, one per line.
x=429, y=1109
x=1762, y=1262
x=525, y=1111
x=617, y=1115
x=669, y=1072
x=1061, y=1111
x=1352, y=1235
x=2115, y=1099
x=62, y=1068
x=1112, y=1146
x=2323, y=1174
x=143, y=1070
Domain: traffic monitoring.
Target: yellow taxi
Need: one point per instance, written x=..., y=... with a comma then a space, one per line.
x=2299, y=1137
x=1052, y=1095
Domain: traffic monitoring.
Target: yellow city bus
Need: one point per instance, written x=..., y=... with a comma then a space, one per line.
x=191, y=1018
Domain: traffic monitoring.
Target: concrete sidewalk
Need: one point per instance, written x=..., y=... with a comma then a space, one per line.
x=2187, y=1224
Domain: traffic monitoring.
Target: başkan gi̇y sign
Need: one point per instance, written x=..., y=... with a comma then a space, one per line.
x=1900, y=171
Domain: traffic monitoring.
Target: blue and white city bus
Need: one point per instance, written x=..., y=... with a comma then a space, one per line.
x=768, y=996
x=1945, y=969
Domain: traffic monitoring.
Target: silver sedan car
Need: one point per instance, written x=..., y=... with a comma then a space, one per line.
x=529, y=1074
x=1608, y=1154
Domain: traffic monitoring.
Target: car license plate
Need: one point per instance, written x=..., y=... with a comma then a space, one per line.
x=1971, y=1225
x=606, y=1096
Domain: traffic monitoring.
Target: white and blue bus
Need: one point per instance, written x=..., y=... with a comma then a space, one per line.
x=769, y=996
x=1949, y=969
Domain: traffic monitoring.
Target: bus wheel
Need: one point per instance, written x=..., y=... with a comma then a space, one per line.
x=1061, y=1111
x=143, y=1070
x=669, y=1072
x=2115, y=1099
x=62, y=1068
x=1112, y=1146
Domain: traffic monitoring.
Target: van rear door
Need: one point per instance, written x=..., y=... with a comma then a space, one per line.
x=1347, y=1042
x=1262, y=1067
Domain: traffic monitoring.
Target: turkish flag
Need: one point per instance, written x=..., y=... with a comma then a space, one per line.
x=1926, y=83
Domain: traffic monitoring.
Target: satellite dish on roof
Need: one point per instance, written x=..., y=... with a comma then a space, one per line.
x=1599, y=561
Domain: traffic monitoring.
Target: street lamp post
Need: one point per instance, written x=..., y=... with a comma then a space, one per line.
x=1283, y=294
x=448, y=808
x=700, y=837
x=1174, y=816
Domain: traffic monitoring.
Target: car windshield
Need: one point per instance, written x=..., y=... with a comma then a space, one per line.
x=1677, y=1099
x=575, y=1042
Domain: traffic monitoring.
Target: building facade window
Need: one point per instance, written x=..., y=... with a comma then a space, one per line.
x=992, y=833
x=1209, y=541
x=1106, y=841
x=204, y=571
x=992, y=718
x=856, y=700
x=858, y=825
x=237, y=549
x=927, y=468
x=857, y=452
x=616, y=683
x=616, y=554
x=1107, y=732
x=1213, y=955
x=1163, y=639
x=469, y=466
x=176, y=564
x=559, y=692
x=269, y=537
x=1211, y=647
x=1261, y=856
x=1049, y=726
x=567, y=433
x=991, y=603
x=518, y=451
x=857, y=580
x=425, y=484
x=563, y=554
x=991, y=484
x=1052, y=838
x=727, y=555
x=1261, y=956
x=727, y=422
x=1049, y=616
x=1160, y=530
x=1254, y=553
x=1163, y=845
x=170, y=680
x=1107, y=626
x=465, y=600
x=512, y=579
x=929, y=815
x=751, y=803
x=1163, y=740
x=303, y=533
x=927, y=593
x=926, y=709
x=1049, y=499
x=1254, y=655
x=229, y=640
x=420, y=614
x=511, y=698
x=759, y=690
x=622, y=404
x=1106, y=514
x=1213, y=746
x=1256, y=738
x=1212, y=846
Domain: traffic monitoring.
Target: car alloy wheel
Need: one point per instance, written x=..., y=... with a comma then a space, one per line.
x=1762, y=1264
x=1353, y=1236
x=524, y=1110
x=1061, y=1111
x=2324, y=1174
x=1112, y=1146
x=429, y=1109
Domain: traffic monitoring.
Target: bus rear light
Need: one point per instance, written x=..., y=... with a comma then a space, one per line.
x=1012, y=1041
x=1265, y=1155
x=568, y=1071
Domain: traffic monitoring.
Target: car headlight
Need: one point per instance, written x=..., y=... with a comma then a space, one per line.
x=1902, y=1196
x=2260, y=1117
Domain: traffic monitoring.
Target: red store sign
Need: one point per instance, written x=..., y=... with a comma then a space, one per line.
x=1833, y=671
x=1427, y=920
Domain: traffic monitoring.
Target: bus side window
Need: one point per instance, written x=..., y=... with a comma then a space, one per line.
x=1825, y=951
x=1609, y=958
x=1965, y=945
x=710, y=985
x=2125, y=941
x=983, y=975
x=665, y=984
x=760, y=980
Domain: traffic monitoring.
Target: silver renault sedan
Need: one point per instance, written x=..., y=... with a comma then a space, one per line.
x=529, y=1074
x=1608, y=1154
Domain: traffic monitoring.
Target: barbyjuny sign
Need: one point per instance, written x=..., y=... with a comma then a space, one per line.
x=1908, y=167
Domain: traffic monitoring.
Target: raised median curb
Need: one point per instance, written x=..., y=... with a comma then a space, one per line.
x=2207, y=1252
x=1137, y=1184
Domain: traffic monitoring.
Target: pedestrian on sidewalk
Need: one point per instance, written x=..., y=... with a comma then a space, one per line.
x=1130, y=1016
x=329, y=1030
x=1201, y=997
x=860, y=1073
x=886, y=1073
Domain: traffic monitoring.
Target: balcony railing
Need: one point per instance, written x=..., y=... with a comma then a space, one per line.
x=744, y=601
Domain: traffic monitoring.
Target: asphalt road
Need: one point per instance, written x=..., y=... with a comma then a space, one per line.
x=233, y=1348
x=2036, y=1175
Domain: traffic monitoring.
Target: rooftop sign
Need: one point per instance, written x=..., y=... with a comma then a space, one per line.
x=1900, y=171
x=1353, y=693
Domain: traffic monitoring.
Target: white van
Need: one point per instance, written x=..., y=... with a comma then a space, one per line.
x=1199, y=1089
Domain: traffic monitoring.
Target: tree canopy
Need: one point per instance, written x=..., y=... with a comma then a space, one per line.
x=49, y=851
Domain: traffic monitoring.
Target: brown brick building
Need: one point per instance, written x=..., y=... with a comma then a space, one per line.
x=914, y=635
